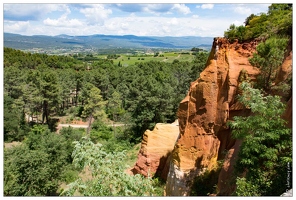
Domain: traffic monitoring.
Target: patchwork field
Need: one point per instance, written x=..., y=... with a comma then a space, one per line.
x=127, y=60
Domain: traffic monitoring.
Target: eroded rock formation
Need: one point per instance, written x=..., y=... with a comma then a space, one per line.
x=202, y=116
x=204, y=112
x=210, y=103
x=156, y=147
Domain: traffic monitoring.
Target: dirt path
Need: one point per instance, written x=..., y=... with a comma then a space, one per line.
x=60, y=126
x=73, y=125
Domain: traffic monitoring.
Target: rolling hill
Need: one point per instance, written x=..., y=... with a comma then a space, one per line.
x=98, y=41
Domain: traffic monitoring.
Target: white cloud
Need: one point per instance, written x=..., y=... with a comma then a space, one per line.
x=166, y=29
x=157, y=8
x=237, y=23
x=243, y=10
x=173, y=21
x=96, y=14
x=207, y=6
x=142, y=26
x=16, y=27
x=164, y=26
x=182, y=8
x=111, y=26
x=90, y=19
x=63, y=21
x=124, y=26
x=247, y=9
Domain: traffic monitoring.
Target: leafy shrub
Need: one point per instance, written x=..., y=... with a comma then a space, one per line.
x=28, y=172
x=278, y=20
x=269, y=56
x=244, y=188
x=114, y=145
x=33, y=168
x=69, y=174
x=266, y=150
x=108, y=174
x=70, y=134
x=100, y=131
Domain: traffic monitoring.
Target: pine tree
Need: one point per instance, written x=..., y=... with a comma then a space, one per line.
x=94, y=107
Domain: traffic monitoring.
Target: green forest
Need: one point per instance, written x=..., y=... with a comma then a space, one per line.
x=42, y=90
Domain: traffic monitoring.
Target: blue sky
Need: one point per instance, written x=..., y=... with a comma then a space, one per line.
x=125, y=18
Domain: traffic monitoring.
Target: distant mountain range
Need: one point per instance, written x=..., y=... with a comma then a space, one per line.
x=104, y=42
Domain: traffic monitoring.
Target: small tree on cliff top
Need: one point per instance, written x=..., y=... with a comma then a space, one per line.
x=268, y=58
x=266, y=151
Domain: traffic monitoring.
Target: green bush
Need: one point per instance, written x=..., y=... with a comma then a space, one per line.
x=114, y=145
x=34, y=168
x=206, y=183
x=278, y=21
x=100, y=131
x=266, y=150
x=108, y=174
x=268, y=58
x=247, y=189
x=71, y=134
x=69, y=174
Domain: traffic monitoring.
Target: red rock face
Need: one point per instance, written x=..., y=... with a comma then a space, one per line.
x=210, y=103
x=286, y=68
x=204, y=137
x=226, y=179
x=156, y=147
x=204, y=112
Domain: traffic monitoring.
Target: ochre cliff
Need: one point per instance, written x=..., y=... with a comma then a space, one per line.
x=209, y=104
x=181, y=151
x=156, y=147
x=204, y=112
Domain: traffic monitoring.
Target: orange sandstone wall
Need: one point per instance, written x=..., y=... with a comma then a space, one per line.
x=180, y=151
x=204, y=112
x=156, y=147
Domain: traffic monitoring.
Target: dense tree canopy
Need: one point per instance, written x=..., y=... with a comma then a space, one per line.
x=34, y=168
x=44, y=87
x=278, y=21
x=266, y=150
x=47, y=86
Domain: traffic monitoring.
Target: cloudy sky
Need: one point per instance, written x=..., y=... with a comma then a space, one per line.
x=125, y=18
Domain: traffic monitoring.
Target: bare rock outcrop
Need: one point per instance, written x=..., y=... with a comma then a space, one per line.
x=180, y=152
x=204, y=112
x=156, y=147
x=210, y=103
x=226, y=181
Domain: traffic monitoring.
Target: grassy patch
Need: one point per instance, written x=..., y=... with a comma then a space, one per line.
x=128, y=60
